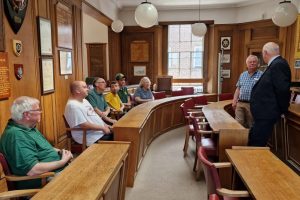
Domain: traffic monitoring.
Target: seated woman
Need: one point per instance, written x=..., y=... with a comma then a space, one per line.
x=143, y=92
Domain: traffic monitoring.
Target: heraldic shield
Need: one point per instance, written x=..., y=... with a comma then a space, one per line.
x=15, y=11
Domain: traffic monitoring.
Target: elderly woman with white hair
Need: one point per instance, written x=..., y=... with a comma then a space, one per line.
x=143, y=92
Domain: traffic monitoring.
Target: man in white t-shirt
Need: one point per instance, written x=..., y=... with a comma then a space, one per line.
x=80, y=114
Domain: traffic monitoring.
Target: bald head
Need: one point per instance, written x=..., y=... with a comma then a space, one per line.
x=270, y=50
x=75, y=85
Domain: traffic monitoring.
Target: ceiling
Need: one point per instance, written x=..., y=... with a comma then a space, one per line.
x=187, y=4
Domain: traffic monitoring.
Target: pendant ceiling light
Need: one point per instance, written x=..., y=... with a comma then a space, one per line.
x=285, y=14
x=117, y=26
x=146, y=15
x=199, y=29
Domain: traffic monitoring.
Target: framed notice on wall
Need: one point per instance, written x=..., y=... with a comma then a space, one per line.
x=47, y=75
x=45, y=38
x=65, y=62
x=4, y=76
x=64, y=26
x=297, y=45
x=139, y=51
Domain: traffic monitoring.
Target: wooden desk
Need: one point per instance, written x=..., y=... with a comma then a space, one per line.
x=145, y=122
x=265, y=176
x=98, y=173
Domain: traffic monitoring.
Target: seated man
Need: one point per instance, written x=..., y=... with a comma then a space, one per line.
x=143, y=92
x=79, y=113
x=96, y=99
x=25, y=148
x=123, y=92
x=113, y=99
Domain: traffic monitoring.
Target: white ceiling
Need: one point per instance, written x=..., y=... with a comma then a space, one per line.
x=187, y=4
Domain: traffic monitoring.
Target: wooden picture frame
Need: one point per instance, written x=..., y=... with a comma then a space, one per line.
x=139, y=70
x=297, y=44
x=47, y=75
x=64, y=26
x=65, y=62
x=45, y=36
x=139, y=51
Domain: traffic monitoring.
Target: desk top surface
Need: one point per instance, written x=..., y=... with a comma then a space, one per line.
x=88, y=175
x=218, y=118
x=265, y=176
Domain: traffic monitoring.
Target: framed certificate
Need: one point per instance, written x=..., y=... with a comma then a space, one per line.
x=65, y=62
x=45, y=38
x=47, y=75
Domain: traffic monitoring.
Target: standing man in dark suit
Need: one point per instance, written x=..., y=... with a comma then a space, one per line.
x=270, y=95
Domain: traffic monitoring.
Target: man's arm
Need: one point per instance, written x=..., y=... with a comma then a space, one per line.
x=43, y=167
x=140, y=100
x=235, y=97
x=91, y=126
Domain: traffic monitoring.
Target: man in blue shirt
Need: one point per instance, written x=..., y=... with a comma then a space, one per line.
x=241, y=99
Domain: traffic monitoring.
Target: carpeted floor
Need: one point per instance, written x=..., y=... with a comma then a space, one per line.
x=165, y=174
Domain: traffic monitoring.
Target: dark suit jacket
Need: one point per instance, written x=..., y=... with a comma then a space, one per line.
x=270, y=95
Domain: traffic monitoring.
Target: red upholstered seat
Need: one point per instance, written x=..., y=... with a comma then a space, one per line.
x=225, y=96
x=159, y=95
x=177, y=93
x=187, y=90
x=212, y=179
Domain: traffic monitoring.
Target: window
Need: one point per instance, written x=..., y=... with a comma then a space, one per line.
x=185, y=53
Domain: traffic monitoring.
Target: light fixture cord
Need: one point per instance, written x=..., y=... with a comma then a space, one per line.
x=199, y=10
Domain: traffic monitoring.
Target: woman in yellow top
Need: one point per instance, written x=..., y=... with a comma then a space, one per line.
x=113, y=99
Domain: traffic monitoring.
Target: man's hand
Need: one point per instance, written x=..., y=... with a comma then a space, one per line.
x=66, y=155
x=106, y=129
x=234, y=104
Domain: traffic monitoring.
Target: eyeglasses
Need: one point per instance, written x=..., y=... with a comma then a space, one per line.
x=36, y=110
x=100, y=82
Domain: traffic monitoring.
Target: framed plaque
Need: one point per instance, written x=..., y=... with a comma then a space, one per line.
x=5, y=85
x=65, y=62
x=64, y=26
x=45, y=38
x=139, y=70
x=225, y=43
x=139, y=51
x=47, y=75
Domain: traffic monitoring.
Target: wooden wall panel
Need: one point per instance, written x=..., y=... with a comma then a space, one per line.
x=52, y=125
x=114, y=49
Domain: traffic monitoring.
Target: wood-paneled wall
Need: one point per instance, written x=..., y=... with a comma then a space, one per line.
x=52, y=125
x=152, y=36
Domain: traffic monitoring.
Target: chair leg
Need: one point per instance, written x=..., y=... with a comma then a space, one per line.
x=186, y=142
x=199, y=172
x=196, y=160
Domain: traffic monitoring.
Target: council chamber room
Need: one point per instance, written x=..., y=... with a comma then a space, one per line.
x=150, y=99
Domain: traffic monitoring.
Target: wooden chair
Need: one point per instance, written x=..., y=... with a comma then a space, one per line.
x=177, y=93
x=7, y=180
x=200, y=101
x=72, y=145
x=164, y=83
x=159, y=95
x=187, y=90
x=213, y=181
x=187, y=108
x=225, y=96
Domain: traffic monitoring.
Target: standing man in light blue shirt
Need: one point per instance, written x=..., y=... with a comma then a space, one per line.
x=241, y=99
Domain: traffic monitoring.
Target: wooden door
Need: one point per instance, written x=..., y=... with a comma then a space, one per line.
x=96, y=58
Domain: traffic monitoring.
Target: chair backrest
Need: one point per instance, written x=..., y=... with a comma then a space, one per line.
x=3, y=182
x=225, y=96
x=200, y=100
x=187, y=104
x=164, y=83
x=6, y=170
x=210, y=172
x=187, y=90
x=159, y=95
x=177, y=93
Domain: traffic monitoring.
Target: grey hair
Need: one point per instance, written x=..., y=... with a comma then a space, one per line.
x=252, y=56
x=20, y=105
x=143, y=80
x=271, y=48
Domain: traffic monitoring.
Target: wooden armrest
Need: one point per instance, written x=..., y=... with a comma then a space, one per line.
x=233, y=193
x=18, y=193
x=249, y=148
x=199, y=106
x=204, y=132
x=24, y=178
x=222, y=165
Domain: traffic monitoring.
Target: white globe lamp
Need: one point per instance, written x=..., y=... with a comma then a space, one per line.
x=285, y=14
x=117, y=26
x=146, y=15
x=199, y=29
